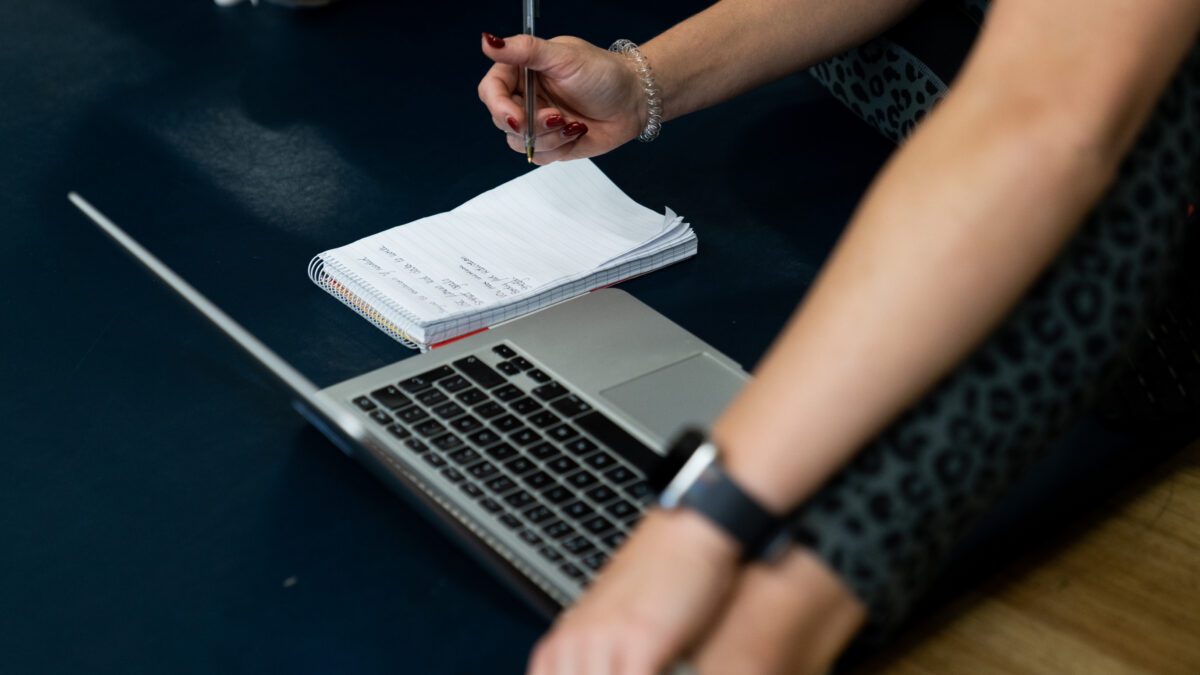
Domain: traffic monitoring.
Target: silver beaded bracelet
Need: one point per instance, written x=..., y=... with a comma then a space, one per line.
x=649, y=87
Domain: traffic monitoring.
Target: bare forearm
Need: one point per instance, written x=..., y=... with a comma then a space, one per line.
x=737, y=45
x=955, y=229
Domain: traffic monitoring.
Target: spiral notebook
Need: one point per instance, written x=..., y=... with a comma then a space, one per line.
x=552, y=234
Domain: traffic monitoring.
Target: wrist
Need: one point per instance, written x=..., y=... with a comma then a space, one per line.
x=696, y=534
x=649, y=95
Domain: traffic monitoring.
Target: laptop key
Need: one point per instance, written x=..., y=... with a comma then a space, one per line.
x=500, y=484
x=581, y=479
x=501, y=452
x=434, y=459
x=601, y=494
x=446, y=442
x=425, y=380
x=504, y=351
x=614, y=540
x=489, y=410
x=454, y=383
x=464, y=456
x=520, y=499
x=479, y=372
x=508, y=393
x=530, y=538
x=412, y=414
x=391, y=397
x=580, y=446
x=524, y=436
x=380, y=417
x=431, y=398
x=520, y=465
x=578, y=510
x=525, y=406
x=570, y=406
x=507, y=368
x=544, y=419
x=538, y=480
x=558, y=529
x=557, y=494
x=483, y=470
x=399, y=431
x=600, y=461
x=543, y=451
x=483, y=436
x=490, y=505
x=471, y=489
x=597, y=525
x=415, y=445
x=549, y=553
x=538, y=376
x=507, y=423
x=562, y=432
x=549, y=391
x=466, y=424
x=571, y=571
x=561, y=465
x=620, y=475
x=521, y=363
x=429, y=428
x=364, y=404
x=448, y=410
x=577, y=545
x=622, y=509
x=452, y=474
x=539, y=514
x=472, y=396
x=510, y=521
x=594, y=561
x=639, y=490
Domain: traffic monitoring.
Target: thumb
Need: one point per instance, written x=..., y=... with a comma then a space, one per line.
x=551, y=58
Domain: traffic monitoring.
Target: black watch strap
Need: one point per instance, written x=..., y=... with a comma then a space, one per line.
x=703, y=486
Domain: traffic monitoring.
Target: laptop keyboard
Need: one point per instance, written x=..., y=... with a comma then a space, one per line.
x=529, y=451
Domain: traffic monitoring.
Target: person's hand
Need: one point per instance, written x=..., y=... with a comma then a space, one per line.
x=792, y=617
x=589, y=99
x=662, y=589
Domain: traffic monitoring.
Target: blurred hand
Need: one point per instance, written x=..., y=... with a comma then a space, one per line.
x=589, y=100
x=661, y=590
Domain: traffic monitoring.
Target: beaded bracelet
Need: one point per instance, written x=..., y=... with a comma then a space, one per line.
x=649, y=87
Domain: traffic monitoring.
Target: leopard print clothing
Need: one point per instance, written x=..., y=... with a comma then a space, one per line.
x=886, y=523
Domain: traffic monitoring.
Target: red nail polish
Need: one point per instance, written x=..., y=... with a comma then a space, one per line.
x=554, y=121
x=512, y=122
x=494, y=41
x=575, y=129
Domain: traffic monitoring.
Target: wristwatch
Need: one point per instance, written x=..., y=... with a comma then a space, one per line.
x=700, y=483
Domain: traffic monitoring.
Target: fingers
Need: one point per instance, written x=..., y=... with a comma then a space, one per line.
x=553, y=59
x=497, y=91
x=552, y=143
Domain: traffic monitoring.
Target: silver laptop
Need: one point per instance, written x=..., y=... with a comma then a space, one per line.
x=537, y=442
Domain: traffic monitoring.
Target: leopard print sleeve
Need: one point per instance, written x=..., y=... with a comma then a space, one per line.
x=886, y=523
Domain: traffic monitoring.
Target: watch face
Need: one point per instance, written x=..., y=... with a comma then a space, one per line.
x=677, y=455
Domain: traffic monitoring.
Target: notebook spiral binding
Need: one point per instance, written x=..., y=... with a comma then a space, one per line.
x=340, y=287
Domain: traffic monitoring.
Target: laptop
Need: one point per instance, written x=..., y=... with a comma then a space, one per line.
x=539, y=443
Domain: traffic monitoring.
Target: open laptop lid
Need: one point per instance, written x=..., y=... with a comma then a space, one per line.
x=334, y=422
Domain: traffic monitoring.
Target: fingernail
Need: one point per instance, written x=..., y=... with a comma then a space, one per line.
x=575, y=129
x=512, y=122
x=554, y=121
x=494, y=41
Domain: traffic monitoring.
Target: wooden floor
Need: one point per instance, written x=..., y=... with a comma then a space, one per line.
x=1120, y=596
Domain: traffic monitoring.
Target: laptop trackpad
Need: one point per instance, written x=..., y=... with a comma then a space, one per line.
x=689, y=392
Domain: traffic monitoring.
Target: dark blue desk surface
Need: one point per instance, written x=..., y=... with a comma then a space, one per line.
x=156, y=495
